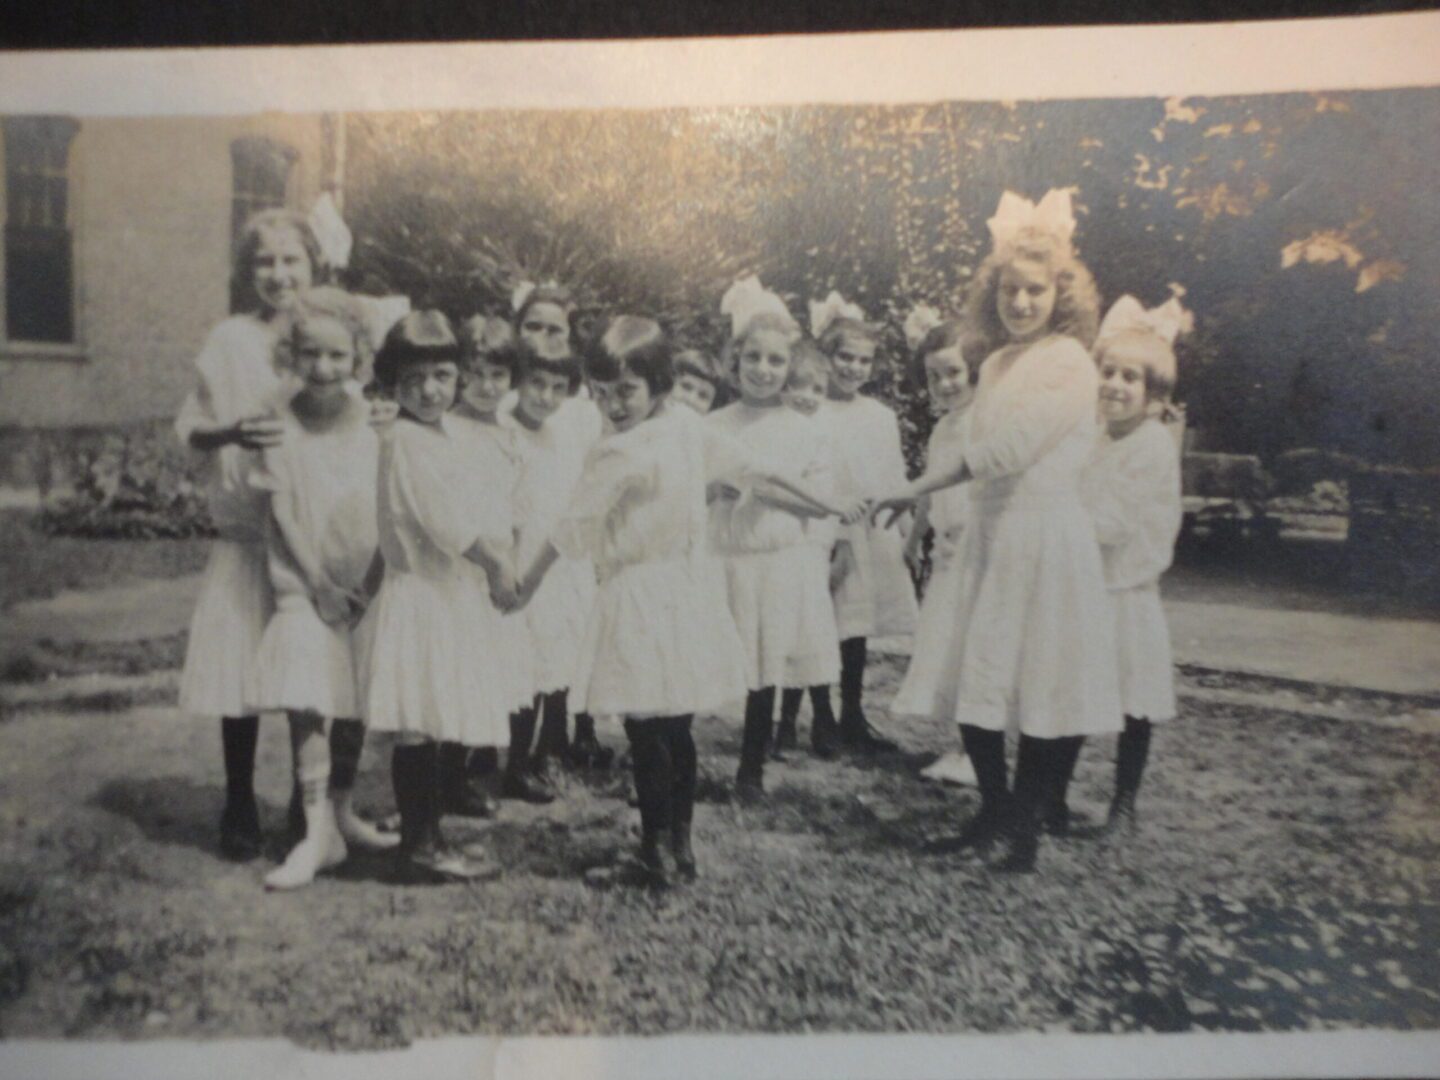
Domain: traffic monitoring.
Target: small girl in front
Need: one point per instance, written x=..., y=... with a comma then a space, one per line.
x=940, y=361
x=1031, y=641
x=434, y=674
x=873, y=593
x=227, y=417
x=660, y=644
x=781, y=607
x=1132, y=488
x=698, y=382
x=320, y=540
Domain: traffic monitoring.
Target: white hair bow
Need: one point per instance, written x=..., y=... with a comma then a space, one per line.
x=520, y=294
x=824, y=312
x=1052, y=214
x=921, y=320
x=746, y=299
x=331, y=232
x=1167, y=322
x=381, y=313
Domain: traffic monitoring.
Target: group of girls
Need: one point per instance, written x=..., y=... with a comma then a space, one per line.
x=511, y=548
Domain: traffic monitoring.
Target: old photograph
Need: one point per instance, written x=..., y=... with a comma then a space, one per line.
x=959, y=566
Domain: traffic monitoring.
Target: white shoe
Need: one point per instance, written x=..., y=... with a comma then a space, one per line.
x=322, y=848
x=357, y=831
x=952, y=768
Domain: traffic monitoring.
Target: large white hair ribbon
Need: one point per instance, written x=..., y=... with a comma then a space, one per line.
x=746, y=299
x=824, y=312
x=1015, y=214
x=331, y=232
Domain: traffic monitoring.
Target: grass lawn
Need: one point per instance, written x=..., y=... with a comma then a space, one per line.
x=1286, y=878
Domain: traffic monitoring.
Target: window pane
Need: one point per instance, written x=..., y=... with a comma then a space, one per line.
x=39, y=271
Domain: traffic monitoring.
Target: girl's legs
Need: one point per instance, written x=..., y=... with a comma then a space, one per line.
x=684, y=769
x=855, y=730
x=587, y=750
x=654, y=788
x=1130, y=758
x=986, y=751
x=347, y=740
x=754, y=742
x=824, y=731
x=785, y=732
x=422, y=856
x=461, y=793
x=517, y=782
x=1034, y=768
x=323, y=846
x=240, y=836
x=1056, y=817
x=554, y=741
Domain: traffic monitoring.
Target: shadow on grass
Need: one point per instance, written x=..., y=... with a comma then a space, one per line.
x=178, y=811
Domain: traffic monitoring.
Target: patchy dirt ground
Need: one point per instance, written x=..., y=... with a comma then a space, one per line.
x=1287, y=877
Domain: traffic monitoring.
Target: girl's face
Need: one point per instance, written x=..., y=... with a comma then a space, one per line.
x=485, y=385
x=694, y=391
x=948, y=378
x=281, y=268
x=540, y=393
x=1026, y=299
x=763, y=365
x=626, y=401
x=851, y=365
x=426, y=390
x=545, y=327
x=1123, y=399
x=805, y=393
x=324, y=356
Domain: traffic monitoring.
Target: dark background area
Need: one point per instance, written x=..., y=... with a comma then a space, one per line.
x=159, y=23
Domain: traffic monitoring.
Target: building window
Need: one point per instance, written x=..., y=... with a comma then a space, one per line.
x=262, y=169
x=39, y=242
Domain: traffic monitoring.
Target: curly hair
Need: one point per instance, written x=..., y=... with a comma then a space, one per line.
x=636, y=345
x=324, y=302
x=1077, y=301
x=243, y=297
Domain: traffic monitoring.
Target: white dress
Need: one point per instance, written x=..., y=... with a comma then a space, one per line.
x=237, y=379
x=307, y=659
x=428, y=669
x=949, y=509
x=1132, y=488
x=877, y=599
x=551, y=461
x=781, y=607
x=1031, y=638
x=659, y=640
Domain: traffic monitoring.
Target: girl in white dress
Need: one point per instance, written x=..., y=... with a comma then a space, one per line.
x=493, y=362
x=1032, y=640
x=1132, y=488
x=781, y=607
x=319, y=483
x=660, y=644
x=437, y=670
x=226, y=418
x=806, y=389
x=556, y=429
x=873, y=593
x=939, y=357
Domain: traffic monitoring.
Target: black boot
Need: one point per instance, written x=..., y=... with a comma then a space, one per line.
x=754, y=743
x=517, y=783
x=855, y=731
x=422, y=857
x=654, y=788
x=1130, y=758
x=986, y=751
x=553, y=743
x=786, y=736
x=1032, y=769
x=824, y=731
x=1057, y=819
x=587, y=751
x=460, y=793
x=240, y=836
x=682, y=794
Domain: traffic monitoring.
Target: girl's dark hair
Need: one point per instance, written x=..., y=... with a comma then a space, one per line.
x=421, y=337
x=696, y=363
x=569, y=367
x=949, y=334
x=558, y=295
x=1077, y=301
x=243, y=298
x=636, y=345
x=489, y=339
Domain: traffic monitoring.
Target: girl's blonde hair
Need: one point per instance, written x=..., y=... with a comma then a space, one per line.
x=325, y=302
x=1077, y=301
x=243, y=298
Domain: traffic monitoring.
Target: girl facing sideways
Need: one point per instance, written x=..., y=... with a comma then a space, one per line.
x=226, y=418
x=782, y=608
x=940, y=361
x=1031, y=644
x=873, y=593
x=660, y=644
x=1132, y=488
x=319, y=481
x=438, y=670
